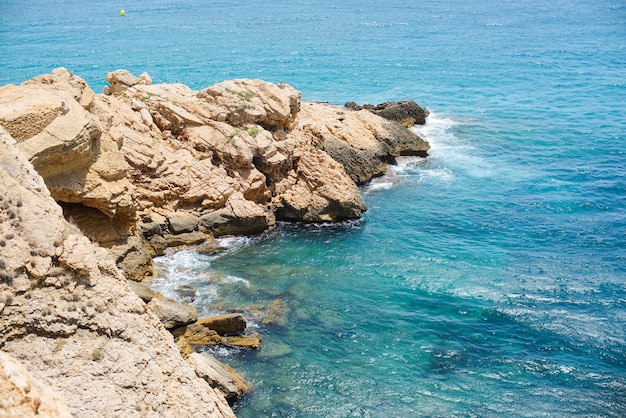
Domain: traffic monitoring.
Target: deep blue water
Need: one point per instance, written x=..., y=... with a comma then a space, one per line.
x=486, y=280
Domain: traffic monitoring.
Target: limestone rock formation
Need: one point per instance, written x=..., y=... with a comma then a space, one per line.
x=361, y=141
x=92, y=186
x=146, y=166
x=69, y=316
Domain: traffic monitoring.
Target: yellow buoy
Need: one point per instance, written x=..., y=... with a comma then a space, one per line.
x=122, y=12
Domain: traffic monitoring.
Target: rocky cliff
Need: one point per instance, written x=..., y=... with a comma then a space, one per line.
x=145, y=166
x=69, y=315
x=92, y=186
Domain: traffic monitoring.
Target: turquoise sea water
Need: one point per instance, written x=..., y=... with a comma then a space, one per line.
x=486, y=280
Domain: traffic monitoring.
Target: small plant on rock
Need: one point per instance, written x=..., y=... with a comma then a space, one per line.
x=97, y=354
x=254, y=131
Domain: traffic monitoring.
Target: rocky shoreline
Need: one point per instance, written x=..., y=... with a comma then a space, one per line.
x=94, y=186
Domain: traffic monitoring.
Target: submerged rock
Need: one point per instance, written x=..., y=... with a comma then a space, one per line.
x=186, y=293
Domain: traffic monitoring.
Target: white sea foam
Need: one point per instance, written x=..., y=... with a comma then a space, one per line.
x=453, y=152
x=176, y=268
x=235, y=280
x=438, y=132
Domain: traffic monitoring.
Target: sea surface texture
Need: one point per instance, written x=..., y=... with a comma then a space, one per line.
x=487, y=280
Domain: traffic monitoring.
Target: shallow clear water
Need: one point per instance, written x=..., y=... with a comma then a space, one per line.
x=486, y=280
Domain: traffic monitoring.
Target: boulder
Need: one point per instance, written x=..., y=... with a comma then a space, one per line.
x=121, y=80
x=172, y=314
x=252, y=341
x=239, y=216
x=219, y=375
x=197, y=335
x=224, y=324
x=182, y=222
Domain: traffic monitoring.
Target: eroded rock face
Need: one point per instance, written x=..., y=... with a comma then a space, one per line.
x=361, y=141
x=407, y=113
x=68, y=315
x=146, y=166
x=23, y=395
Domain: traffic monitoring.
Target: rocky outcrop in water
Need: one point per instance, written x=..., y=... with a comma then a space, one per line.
x=93, y=186
x=149, y=166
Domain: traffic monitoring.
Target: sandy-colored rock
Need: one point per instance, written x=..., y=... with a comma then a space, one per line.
x=219, y=375
x=120, y=80
x=239, y=216
x=318, y=191
x=183, y=346
x=229, y=159
x=182, y=222
x=77, y=326
x=23, y=396
x=254, y=101
x=171, y=313
x=143, y=291
x=252, y=341
x=360, y=140
x=197, y=335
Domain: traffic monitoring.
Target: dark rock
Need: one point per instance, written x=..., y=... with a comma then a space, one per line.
x=363, y=163
x=225, y=324
x=407, y=113
x=186, y=293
